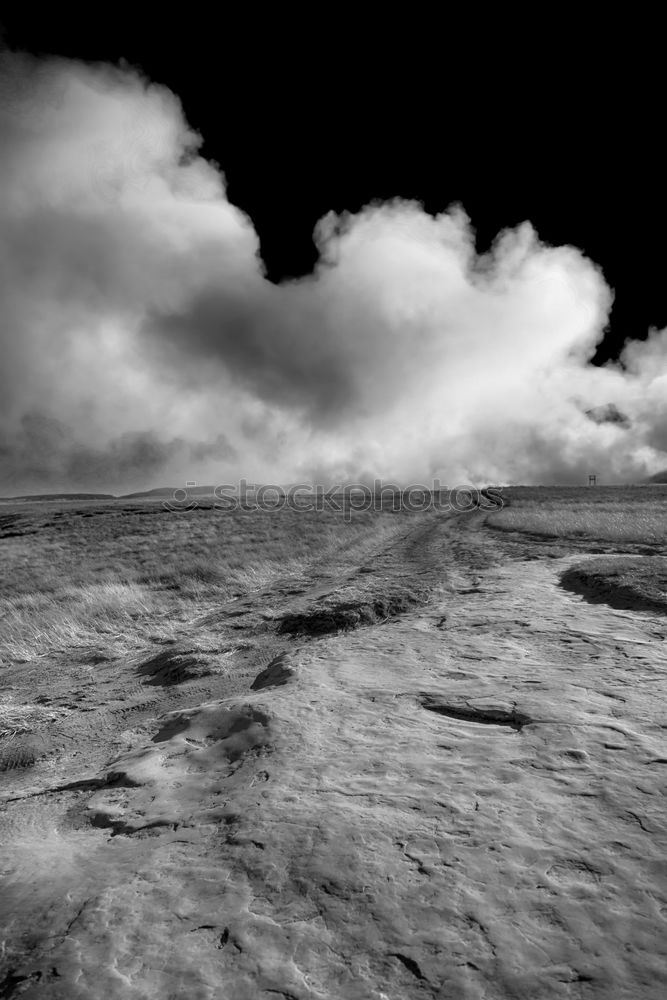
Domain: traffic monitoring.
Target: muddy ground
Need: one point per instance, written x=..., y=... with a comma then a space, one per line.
x=437, y=773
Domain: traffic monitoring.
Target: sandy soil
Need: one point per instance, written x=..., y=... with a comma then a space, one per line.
x=466, y=800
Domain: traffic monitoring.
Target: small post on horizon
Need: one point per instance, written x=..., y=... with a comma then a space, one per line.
x=592, y=480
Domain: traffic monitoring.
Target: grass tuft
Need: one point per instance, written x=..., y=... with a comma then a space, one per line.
x=20, y=718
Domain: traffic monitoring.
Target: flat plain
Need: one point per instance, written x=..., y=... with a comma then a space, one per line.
x=260, y=754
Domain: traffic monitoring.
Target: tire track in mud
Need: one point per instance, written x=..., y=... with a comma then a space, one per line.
x=121, y=701
x=47, y=806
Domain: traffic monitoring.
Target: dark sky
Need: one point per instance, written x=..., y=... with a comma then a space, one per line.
x=552, y=127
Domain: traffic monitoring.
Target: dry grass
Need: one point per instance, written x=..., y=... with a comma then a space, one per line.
x=19, y=718
x=621, y=520
x=116, y=578
x=35, y=624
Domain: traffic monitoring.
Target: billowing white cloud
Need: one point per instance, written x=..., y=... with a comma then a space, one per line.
x=142, y=343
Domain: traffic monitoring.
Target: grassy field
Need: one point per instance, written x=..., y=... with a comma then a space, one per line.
x=120, y=576
x=625, y=526
x=75, y=575
x=613, y=514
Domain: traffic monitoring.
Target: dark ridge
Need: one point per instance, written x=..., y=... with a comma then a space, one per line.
x=113, y=779
x=170, y=729
x=173, y=667
x=485, y=716
x=101, y=820
x=59, y=496
x=348, y=615
x=12, y=981
x=409, y=964
x=618, y=588
x=277, y=673
x=169, y=492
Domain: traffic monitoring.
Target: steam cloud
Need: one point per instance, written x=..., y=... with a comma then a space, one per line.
x=140, y=337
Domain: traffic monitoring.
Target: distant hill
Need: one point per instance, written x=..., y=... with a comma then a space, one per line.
x=62, y=496
x=193, y=491
x=659, y=477
x=168, y=491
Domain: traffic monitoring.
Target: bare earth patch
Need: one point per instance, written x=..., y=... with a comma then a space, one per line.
x=241, y=792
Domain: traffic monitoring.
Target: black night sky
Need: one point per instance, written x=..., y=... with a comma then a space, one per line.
x=309, y=117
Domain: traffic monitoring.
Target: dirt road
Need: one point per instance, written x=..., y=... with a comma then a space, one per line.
x=465, y=801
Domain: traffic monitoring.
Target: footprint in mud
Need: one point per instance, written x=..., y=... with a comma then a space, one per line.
x=612, y=695
x=169, y=782
x=575, y=870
